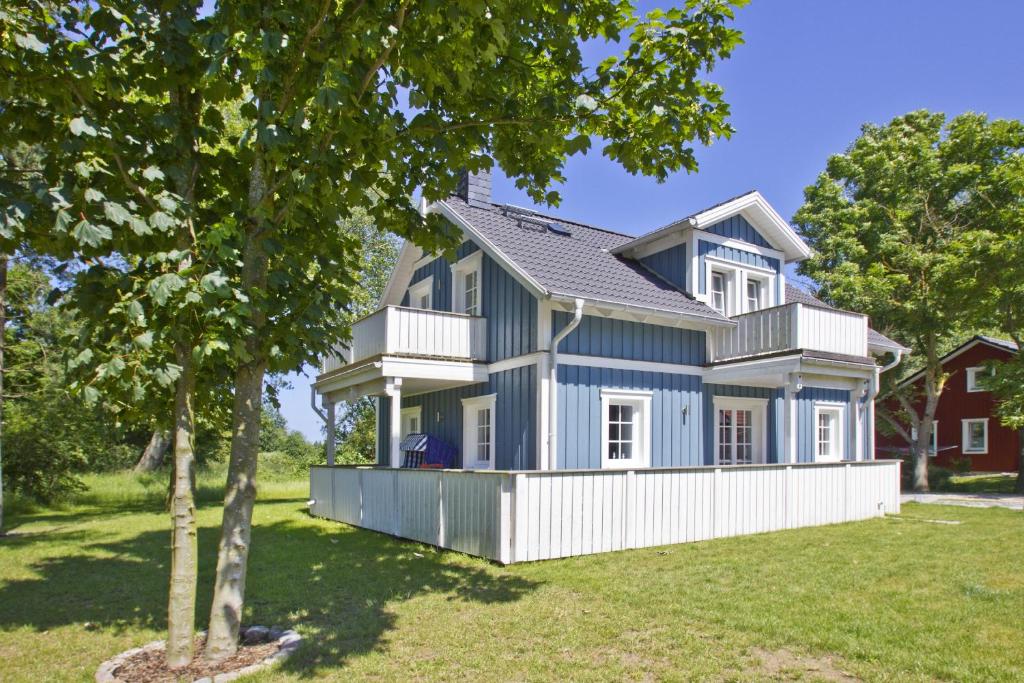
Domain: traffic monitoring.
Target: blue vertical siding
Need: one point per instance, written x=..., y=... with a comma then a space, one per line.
x=610, y=338
x=805, y=428
x=510, y=309
x=775, y=414
x=515, y=407
x=383, y=429
x=675, y=418
x=511, y=313
x=669, y=264
x=748, y=258
x=737, y=228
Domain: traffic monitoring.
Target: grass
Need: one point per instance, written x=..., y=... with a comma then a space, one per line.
x=982, y=483
x=900, y=598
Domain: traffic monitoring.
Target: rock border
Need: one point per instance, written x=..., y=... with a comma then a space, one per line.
x=287, y=643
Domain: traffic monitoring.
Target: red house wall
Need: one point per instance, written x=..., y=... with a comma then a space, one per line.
x=956, y=404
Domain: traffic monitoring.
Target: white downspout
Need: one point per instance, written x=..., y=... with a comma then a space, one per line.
x=553, y=384
x=870, y=406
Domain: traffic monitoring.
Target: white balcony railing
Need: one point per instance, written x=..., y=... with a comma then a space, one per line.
x=790, y=327
x=396, y=330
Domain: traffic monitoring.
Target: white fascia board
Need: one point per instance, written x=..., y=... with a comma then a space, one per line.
x=634, y=365
x=401, y=274
x=654, y=316
x=489, y=248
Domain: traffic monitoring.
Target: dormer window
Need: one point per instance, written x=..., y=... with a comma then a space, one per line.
x=755, y=295
x=466, y=289
x=719, y=294
x=421, y=294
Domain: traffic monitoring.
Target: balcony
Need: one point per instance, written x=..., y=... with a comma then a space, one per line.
x=428, y=349
x=792, y=327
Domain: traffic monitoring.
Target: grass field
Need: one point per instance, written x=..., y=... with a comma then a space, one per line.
x=982, y=483
x=900, y=598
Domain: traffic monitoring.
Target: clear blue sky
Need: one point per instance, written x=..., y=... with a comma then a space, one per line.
x=809, y=74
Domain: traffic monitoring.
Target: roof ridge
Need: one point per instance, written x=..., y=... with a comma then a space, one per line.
x=552, y=216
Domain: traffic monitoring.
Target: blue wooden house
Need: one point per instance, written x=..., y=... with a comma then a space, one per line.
x=552, y=344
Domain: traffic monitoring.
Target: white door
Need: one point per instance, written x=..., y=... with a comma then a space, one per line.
x=411, y=421
x=739, y=431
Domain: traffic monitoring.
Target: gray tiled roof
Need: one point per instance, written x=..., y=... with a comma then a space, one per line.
x=875, y=338
x=1003, y=343
x=578, y=264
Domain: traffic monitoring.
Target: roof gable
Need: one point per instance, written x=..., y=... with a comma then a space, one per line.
x=1003, y=345
x=753, y=209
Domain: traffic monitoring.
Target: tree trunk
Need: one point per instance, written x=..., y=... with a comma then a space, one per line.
x=181, y=609
x=3, y=339
x=240, y=495
x=153, y=456
x=236, y=527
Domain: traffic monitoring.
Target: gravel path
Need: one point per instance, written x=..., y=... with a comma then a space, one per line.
x=976, y=500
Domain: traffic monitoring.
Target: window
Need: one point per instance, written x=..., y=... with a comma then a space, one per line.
x=739, y=430
x=421, y=294
x=829, y=437
x=719, y=295
x=975, y=435
x=471, y=293
x=625, y=428
x=478, y=432
x=754, y=295
x=466, y=284
x=933, y=446
x=973, y=377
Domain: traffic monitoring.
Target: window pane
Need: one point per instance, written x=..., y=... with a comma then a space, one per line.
x=626, y=451
x=977, y=436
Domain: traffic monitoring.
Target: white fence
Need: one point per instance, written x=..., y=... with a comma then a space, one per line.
x=793, y=326
x=531, y=515
x=412, y=331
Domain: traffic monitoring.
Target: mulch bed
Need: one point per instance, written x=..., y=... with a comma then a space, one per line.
x=149, y=665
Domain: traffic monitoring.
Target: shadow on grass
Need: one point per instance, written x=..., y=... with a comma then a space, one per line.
x=337, y=584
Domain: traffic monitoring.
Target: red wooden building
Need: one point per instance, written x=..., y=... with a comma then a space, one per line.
x=966, y=419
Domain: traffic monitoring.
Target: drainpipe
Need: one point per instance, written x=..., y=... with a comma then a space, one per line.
x=869, y=406
x=577, y=315
x=312, y=403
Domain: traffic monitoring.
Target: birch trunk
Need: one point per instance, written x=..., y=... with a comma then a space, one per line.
x=181, y=608
x=240, y=494
x=153, y=456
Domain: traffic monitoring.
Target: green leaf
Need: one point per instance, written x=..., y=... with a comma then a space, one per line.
x=161, y=221
x=91, y=234
x=162, y=287
x=153, y=173
x=144, y=340
x=80, y=127
x=29, y=42
x=93, y=195
x=214, y=282
x=115, y=213
x=139, y=226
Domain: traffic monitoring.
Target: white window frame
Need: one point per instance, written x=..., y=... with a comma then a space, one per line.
x=640, y=401
x=839, y=439
x=412, y=412
x=423, y=288
x=470, y=410
x=762, y=290
x=933, y=447
x=736, y=276
x=726, y=281
x=471, y=263
x=972, y=379
x=759, y=414
x=965, y=435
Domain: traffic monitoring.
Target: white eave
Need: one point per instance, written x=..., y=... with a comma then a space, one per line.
x=752, y=206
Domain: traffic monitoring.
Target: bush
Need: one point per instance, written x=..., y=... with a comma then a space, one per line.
x=938, y=477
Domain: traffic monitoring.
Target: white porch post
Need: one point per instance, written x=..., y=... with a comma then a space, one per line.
x=330, y=433
x=789, y=417
x=855, y=429
x=393, y=388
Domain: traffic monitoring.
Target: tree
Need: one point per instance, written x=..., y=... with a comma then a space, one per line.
x=886, y=220
x=991, y=289
x=225, y=149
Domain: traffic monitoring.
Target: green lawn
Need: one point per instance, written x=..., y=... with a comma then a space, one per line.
x=982, y=483
x=901, y=598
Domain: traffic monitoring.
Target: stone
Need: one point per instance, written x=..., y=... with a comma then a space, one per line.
x=254, y=635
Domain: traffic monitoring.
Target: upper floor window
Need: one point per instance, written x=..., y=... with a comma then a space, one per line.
x=466, y=289
x=421, y=294
x=719, y=292
x=755, y=295
x=975, y=378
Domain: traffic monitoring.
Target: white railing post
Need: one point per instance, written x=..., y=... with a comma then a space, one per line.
x=506, y=503
x=627, y=511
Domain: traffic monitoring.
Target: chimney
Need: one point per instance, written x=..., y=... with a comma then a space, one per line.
x=475, y=188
